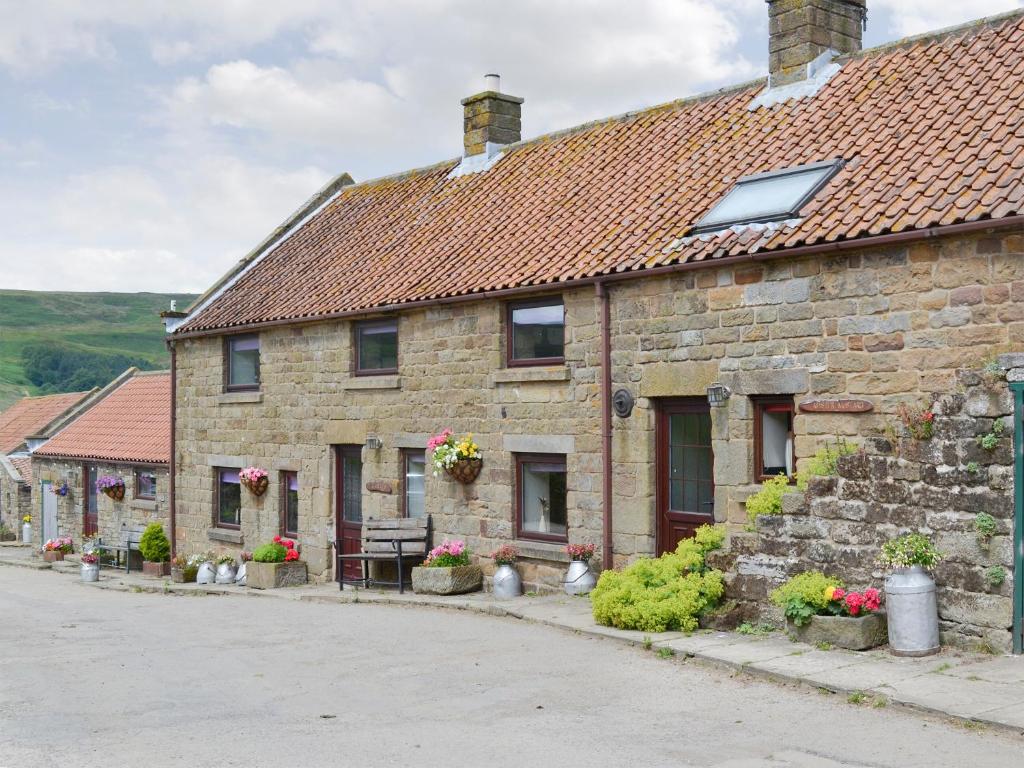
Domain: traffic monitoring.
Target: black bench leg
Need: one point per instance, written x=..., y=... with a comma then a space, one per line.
x=401, y=579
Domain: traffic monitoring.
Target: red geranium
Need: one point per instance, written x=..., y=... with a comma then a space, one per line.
x=292, y=555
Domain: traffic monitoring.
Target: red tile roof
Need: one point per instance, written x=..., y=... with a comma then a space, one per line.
x=132, y=423
x=31, y=414
x=24, y=467
x=932, y=131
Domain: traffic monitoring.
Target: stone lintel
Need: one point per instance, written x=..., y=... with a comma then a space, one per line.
x=225, y=535
x=561, y=444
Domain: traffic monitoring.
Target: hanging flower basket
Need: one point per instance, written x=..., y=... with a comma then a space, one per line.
x=460, y=460
x=255, y=479
x=112, y=486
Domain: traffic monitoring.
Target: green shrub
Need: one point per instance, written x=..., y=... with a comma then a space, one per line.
x=825, y=463
x=271, y=552
x=665, y=593
x=909, y=550
x=767, y=501
x=154, y=545
x=804, y=596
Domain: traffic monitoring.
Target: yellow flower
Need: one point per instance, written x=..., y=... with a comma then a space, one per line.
x=829, y=591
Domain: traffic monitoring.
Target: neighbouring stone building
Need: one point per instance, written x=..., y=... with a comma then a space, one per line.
x=25, y=417
x=743, y=276
x=123, y=431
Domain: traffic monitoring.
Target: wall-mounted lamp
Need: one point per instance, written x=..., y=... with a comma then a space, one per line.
x=718, y=394
x=374, y=443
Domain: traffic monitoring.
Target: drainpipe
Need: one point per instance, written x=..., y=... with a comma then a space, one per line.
x=606, y=423
x=170, y=482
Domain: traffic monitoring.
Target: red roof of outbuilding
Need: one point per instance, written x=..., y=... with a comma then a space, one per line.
x=132, y=423
x=31, y=414
x=932, y=132
x=24, y=466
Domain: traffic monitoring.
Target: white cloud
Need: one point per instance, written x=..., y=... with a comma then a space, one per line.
x=912, y=17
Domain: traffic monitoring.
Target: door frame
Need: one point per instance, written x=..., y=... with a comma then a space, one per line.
x=1017, y=388
x=664, y=407
x=339, y=450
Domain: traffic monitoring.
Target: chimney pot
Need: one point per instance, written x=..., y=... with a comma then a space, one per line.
x=491, y=119
x=492, y=82
x=802, y=30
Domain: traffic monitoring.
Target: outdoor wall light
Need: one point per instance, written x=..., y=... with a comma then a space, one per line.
x=718, y=394
x=374, y=443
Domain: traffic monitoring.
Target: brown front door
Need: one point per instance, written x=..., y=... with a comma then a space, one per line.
x=90, y=508
x=348, y=505
x=686, y=487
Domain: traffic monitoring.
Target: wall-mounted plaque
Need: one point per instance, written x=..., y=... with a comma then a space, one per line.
x=839, y=405
x=380, y=486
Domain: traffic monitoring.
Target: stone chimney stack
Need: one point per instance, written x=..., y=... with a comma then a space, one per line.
x=800, y=31
x=491, y=119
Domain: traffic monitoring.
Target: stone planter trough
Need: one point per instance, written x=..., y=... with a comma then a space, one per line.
x=855, y=633
x=275, y=575
x=447, y=581
x=155, y=570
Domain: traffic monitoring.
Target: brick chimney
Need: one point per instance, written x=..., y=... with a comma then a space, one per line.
x=800, y=31
x=491, y=119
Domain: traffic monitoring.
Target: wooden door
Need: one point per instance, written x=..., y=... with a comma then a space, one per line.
x=348, y=505
x=686, y=487
x=90, y=513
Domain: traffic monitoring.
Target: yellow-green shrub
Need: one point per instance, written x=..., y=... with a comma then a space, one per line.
x=804, y=595
x=767, y=501
x=665, y=593
x=824, y=463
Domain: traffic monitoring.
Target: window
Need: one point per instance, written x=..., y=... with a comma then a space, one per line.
x=541, y=511
x=243, y=362
x=145, y=484
x=377, y=347
x=228, y=499
x=414, y=470
x=772, y=196
x=773, y=437
x=290, y=504
x=536, y=332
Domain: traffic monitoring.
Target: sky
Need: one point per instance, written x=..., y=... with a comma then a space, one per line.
x=147, y=145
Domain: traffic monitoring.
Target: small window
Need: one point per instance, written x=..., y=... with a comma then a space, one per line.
x=536, y=332
x=145, y=484
x=377, y=347
x=772, y=196
x=541, y=503
x=290, y=504
x=415, y=470
x=228, y=500
x=243, y=362
x=773, y=437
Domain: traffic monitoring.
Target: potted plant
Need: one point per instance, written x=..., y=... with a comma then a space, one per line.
x=55, y=549
x=506, y=581
x=255, y=479
x=460, y=460
x=60, y=489
x=206, y=571
x=226, y=569
x=90, y=567
x=26, y=529
x=910, y=595
x=156, y=551
x=579, y=579
x=183, y=569
x=274, y=565
x=447, y=571
x=819, y=610
x=112, y=486
x=240, y=574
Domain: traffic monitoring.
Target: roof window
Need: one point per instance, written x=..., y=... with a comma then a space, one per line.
x=772, y=196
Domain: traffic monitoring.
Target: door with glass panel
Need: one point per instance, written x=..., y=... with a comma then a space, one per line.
x=686, y=487
x=414, y=470
x=348, y=506
x=90, y=514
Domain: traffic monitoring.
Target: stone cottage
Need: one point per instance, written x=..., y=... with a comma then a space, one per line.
x=638, y=319
x=124, y=431
x=25, y=417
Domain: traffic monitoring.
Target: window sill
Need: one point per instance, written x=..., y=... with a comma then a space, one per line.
x=226, y=535
x=148, y=505
x=524, y=375
x=372, y=382
x=541, y=550
x=231, y=398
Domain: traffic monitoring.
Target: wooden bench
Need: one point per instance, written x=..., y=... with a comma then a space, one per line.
x=397, y=540
x=130, y=536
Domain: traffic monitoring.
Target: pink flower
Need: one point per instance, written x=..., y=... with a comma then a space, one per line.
x=839, y=593
x=854, y=602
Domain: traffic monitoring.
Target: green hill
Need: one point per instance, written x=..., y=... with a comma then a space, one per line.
x=61, y=342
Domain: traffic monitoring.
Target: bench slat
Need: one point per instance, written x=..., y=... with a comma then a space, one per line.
x=392, y=523
x=385, y=546
x=394, y=535
x=379, y=556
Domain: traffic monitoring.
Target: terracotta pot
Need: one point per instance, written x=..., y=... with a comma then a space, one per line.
x=156, y=570
x=52, y=556
x=465, y=470
x=116, y=492
x=259, y=487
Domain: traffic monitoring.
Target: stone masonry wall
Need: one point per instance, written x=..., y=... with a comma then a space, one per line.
x=936, y=486
x=889, y=326
x=15, y=502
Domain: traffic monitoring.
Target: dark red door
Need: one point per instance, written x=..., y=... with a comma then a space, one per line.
x=90, y=511
x=686, y=487
x=348, y=505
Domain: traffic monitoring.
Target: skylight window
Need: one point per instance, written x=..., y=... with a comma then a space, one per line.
x=772, y=196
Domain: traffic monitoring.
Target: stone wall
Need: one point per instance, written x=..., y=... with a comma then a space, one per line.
x=903, y=485
x=889, y=326
x=15, y=501
x=111, y=514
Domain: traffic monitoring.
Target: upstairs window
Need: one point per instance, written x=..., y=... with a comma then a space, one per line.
x=145, y=484
x=773, y=437
x=772, y=196
x=290, y=504
x=242, y=355
x=536, y=332
x=376, y=347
